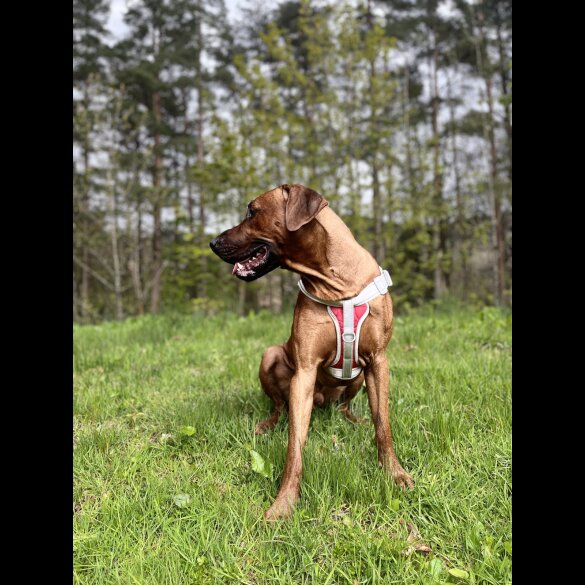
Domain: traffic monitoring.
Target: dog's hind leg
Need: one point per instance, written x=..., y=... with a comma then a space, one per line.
x=275, y=375
x=347, y=396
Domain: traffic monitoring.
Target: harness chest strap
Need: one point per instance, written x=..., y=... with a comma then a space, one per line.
x=348, y=338
x=379, y=286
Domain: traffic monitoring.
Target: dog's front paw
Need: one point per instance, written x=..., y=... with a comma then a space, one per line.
x=401, y=478
x=281, y=508
x=393, y=468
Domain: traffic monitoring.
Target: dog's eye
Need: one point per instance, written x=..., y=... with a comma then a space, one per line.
x=250, y=212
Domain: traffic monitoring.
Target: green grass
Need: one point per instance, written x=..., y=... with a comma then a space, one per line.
x=139, y=386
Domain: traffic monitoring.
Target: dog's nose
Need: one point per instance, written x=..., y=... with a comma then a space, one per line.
x=213, y=243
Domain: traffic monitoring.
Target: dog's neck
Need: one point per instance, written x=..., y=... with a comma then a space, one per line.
x=332, y=264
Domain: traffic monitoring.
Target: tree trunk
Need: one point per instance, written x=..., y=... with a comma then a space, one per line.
x=378, y=248
x=202, y=215
x=202, y=285
x=354, y=196
x=75, y=300
x=440, y=287
x=497, y=233
x=84, y=288
x=187, y=153
x=139, y=273
x=157, y=210
x=114, y=242
x=497, y=204
x=459, y=251
x=135, y=258
x=410, y=180
x=504, y=79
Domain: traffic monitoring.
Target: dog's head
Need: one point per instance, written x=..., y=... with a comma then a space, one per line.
x=258, y=244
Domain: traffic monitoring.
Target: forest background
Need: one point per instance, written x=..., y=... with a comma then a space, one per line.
x=399, y=112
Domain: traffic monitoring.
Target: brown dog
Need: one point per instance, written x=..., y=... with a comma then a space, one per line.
x=293, y=227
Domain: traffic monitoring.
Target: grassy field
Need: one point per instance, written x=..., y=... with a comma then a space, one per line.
x=165, y=492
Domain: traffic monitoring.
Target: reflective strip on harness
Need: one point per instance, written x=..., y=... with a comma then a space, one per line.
x=345, y=364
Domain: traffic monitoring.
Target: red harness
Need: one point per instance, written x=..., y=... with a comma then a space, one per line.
x=360, y=312
x=345, y=365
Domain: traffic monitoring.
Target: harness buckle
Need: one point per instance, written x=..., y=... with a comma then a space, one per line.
x=348, y=337
x=381, y=284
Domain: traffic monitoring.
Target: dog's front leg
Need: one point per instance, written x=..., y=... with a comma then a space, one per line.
x=300, y=406
x=377, y=380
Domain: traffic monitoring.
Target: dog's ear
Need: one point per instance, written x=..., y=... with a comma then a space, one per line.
x=302, y=205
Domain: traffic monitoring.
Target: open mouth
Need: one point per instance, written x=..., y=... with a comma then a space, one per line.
x=252, y=265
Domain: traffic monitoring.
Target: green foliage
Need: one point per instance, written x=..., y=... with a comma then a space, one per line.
x=459, y=573
x=261, y=465
x=182, y=500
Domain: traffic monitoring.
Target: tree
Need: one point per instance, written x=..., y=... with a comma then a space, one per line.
x=477, y=21
x=89, y=53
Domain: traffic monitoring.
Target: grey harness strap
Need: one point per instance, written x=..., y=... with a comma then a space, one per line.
x=379, y=286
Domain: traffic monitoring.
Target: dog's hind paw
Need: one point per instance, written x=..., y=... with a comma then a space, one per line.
x=268, y=424
x=264, y=427
x=351, y=417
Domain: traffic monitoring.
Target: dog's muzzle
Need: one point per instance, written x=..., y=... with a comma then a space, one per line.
x=255, y=261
